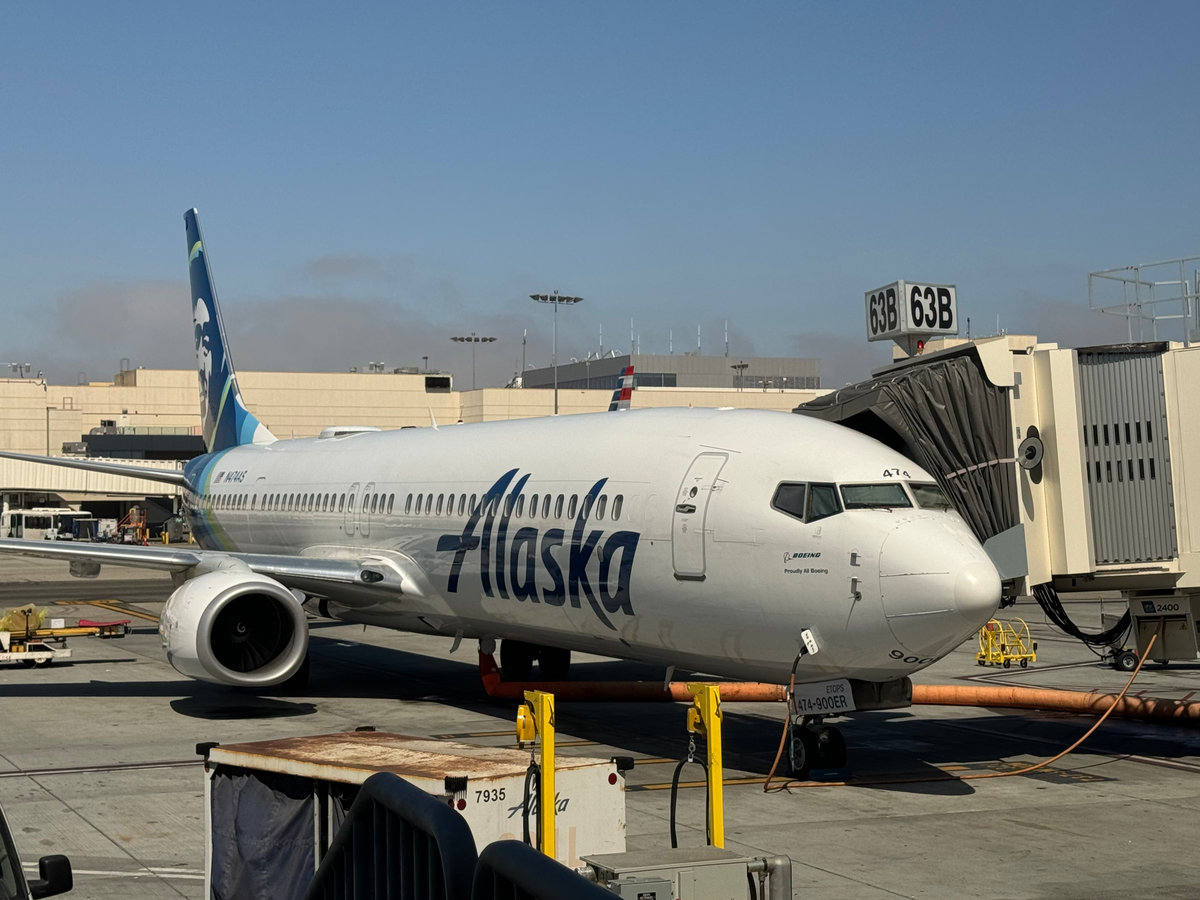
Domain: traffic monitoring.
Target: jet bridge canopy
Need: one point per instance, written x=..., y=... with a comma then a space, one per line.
x=944, y=413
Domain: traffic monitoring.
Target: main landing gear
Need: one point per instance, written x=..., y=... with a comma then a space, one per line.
x=814, y=745
x=517, y=658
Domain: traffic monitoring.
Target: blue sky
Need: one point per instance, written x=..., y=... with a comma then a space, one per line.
x=374, y=178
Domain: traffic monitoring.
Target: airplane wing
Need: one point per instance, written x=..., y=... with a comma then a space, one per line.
x=393, y=573
x=166, y=476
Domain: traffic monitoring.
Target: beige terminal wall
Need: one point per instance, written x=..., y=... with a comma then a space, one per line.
x=38, y=418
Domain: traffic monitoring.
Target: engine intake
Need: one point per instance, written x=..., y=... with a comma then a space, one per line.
x=234, y=628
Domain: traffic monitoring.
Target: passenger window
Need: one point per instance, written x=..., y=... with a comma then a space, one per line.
x=618, y=502
x=408, y=505
x=349, y=503
x=462, y=503
x=450, y=505
x=600, y=507
x=546, y=507
x=533, y=506
x=508, y=504
x=789, y=499
x=520, y=506
x=374, y=503
x=587, y=505
x=558, y=507
x=572, y=505
x=342, y=502
x=474, y=508
x=822, y=502
x=441, y=498
x=391, y=502
x=420, y=503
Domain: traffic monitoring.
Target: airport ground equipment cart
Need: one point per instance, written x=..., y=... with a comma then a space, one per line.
x=276, y=805
x=1175, y=618
x=42, y=646
x=1002, y=644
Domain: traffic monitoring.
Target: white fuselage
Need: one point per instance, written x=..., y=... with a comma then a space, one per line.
x=697, y=569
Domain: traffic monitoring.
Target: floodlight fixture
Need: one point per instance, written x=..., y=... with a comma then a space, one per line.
x=557, y=300
x=473, y=339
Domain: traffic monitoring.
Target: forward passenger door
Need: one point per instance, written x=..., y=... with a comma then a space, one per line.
x=688, y=526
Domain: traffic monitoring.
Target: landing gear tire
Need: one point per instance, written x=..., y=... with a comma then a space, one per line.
x=299, y=680
x=802, y=752
x=516, y=660
x=1125, y=661
x=831, y=749
x=554, y=664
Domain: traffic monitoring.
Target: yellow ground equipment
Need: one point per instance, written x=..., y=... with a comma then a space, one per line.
x=24, y=640
x=535, y=722
x=1001, y=644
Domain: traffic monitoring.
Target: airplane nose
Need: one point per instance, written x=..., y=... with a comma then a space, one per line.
x=938, y=585
x=977, y=590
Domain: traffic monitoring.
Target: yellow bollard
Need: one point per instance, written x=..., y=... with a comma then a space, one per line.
x=536, y=719
x=705, y=718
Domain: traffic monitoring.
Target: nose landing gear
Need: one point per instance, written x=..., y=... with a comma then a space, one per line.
x=813, y=745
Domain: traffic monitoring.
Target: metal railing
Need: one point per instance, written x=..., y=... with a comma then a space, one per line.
x=511, y=870
x=397, y=843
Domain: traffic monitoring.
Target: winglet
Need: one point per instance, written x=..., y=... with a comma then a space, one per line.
x=624, y=392
x=225, y=419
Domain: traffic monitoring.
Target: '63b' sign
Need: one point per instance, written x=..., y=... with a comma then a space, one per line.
x=907, y=308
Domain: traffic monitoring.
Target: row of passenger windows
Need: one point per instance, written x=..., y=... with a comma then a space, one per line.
x=811, y=502
x=537, y=506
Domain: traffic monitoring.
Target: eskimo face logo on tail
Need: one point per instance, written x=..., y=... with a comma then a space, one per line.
x=518, y=561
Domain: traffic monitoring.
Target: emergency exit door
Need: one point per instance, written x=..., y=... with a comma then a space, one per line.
x=691, y=513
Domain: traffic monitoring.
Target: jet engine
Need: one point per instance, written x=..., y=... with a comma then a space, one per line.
x=234, y=627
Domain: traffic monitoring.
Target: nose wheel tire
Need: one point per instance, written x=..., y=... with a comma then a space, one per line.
x=815, y=748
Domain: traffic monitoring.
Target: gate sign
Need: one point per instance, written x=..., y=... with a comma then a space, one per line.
x=904, y=308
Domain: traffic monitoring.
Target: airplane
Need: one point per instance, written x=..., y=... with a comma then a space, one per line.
x=747, y=544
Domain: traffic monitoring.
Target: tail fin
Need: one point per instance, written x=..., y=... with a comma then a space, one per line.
x=624, y=392
x=225, y=419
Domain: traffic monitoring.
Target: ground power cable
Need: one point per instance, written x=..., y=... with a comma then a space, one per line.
x=977, y=776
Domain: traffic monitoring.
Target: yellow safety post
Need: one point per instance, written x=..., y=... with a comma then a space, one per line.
x=704, y=717
x=536, y=720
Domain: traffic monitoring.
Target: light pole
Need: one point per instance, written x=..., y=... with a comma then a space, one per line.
x=557, y=301
x=473, y=339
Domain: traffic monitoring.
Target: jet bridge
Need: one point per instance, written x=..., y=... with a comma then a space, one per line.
x=1079, y=469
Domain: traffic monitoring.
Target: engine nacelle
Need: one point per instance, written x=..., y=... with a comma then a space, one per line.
x=234, y=628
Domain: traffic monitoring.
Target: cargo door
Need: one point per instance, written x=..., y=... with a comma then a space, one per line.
x=688, y=527
x=351, y=505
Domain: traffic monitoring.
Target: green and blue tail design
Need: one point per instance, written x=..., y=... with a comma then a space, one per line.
x=226, y=421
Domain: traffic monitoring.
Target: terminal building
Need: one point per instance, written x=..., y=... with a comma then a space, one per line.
x=151, y=417
x=684, y=371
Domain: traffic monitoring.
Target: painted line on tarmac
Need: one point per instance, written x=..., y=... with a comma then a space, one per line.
x=114, y=767
x=119, y=607
x=151, y=872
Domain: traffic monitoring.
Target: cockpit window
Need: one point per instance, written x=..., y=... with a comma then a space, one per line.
x=929, y=496
x=822, y=502
x=789, y=499
x=875, y=496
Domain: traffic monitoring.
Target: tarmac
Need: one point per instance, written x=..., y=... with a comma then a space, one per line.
x=97, y=760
